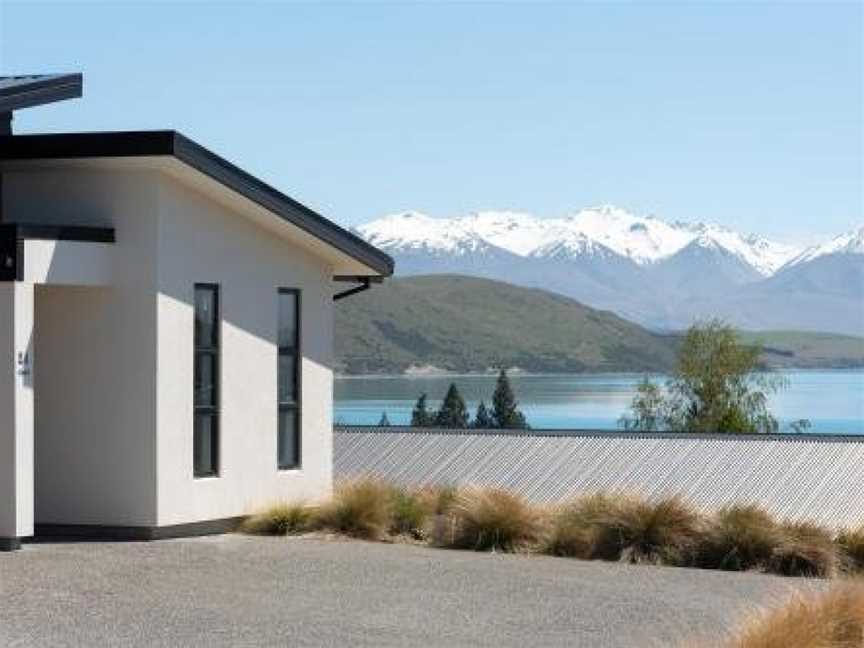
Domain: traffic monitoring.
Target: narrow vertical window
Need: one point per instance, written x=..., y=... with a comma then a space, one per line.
x=206, y=381
x=288, y=379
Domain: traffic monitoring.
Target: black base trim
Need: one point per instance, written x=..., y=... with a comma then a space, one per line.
x=136, y=533
x=10, y=544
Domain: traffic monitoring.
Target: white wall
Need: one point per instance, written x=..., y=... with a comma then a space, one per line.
x=114, y=365
x=95, y=364
x=202, y=241
x=16, y=410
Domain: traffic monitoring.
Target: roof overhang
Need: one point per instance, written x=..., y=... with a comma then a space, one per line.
x=151, y=146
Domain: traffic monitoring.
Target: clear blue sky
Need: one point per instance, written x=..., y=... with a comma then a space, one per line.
x=745, y=114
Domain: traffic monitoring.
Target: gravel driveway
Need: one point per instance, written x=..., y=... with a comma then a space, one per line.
x=245, y=591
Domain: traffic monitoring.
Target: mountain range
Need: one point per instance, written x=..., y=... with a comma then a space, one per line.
x=663, y=275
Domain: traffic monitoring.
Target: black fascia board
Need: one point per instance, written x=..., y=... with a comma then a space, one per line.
x=29, y=91
x=172, y=143
x=33, y=231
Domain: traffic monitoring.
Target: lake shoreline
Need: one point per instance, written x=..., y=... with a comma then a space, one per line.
x=830, y=399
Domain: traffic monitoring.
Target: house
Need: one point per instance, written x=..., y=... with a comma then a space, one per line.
x=166, y=332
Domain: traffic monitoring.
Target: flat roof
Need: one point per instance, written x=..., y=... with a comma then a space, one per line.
x=171, y=143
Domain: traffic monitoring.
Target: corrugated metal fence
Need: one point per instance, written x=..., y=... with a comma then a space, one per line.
x=798, y=477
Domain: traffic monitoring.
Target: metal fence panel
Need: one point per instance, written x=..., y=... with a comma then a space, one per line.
x=811, y=477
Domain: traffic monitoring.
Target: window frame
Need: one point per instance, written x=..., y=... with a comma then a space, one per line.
x=214, y=352
x=296, y=352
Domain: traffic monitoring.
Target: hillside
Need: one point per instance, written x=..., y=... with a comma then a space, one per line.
x=803, y=349
x=467, y=324
x=463, y=324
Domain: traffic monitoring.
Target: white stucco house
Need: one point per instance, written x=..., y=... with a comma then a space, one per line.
x=166, y=332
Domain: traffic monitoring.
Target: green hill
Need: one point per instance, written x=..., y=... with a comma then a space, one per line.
x=466, y=324
x=803, y=349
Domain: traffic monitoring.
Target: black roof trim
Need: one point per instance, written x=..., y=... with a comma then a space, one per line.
x=35, y=90
x=23, y=231
x=156, y=143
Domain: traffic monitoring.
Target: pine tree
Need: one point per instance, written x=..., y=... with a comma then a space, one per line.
x=420, y=416
x=505, y=409
x=483, y=420
x=384, y=422
x=453, y=412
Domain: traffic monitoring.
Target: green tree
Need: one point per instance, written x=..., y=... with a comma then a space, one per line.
x=483, y=419
x=648, y=409
x=384, y=421
x=717, y=385
x=420, y=416
x=505, y=409
x=453, y=412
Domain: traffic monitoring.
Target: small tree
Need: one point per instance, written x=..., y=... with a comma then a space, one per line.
x=483, y=419
x=384, y=421
x=453, y=412
x=717, y=386
x=420, y=416
x=648, y=413
x=505, y=409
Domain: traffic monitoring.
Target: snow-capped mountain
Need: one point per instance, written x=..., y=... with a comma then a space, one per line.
x=651, y=271
x=642, y=239
x=848, y=243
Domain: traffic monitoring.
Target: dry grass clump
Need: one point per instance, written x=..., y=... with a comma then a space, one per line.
x=626, y=528
x=360, y=509
x=739, y=538
x=805, y=549
x=833, y=619
x=492, y=518
x=283, y=518
x=586, y=528
x=851, y=542
x=665, y=532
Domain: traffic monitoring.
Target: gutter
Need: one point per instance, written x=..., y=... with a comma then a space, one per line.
x=365, y=284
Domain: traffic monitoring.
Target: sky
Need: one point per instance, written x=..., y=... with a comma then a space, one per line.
x=746, y=114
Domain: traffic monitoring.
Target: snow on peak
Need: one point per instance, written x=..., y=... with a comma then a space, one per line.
x=848, y=243
x=597, y=230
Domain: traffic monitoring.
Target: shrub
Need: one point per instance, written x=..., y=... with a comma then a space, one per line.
x=280, y=519
x=739, y=538
x=492, y=518
x=851, y=542
x=408, y=513
x=832, y=619
x=360, y=509
x=805, y=550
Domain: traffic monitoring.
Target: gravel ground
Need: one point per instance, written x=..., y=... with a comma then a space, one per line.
x=246, y=591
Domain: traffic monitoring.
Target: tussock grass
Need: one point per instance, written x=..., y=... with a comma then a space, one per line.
x=851, y=542
x=581, y=529
x=360, y=509
x=283, y=518
x=805, y=550
x=626, y=528
x=492, y=518
x=739, y=538
x=833, y=619
x=604, y=526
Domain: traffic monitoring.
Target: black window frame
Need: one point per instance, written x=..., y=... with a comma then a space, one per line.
x=214, y=352
x=294, y=406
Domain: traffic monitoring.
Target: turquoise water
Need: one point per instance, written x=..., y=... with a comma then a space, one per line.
x=832, y=400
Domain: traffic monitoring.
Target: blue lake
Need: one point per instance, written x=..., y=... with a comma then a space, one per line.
x=833, y=401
